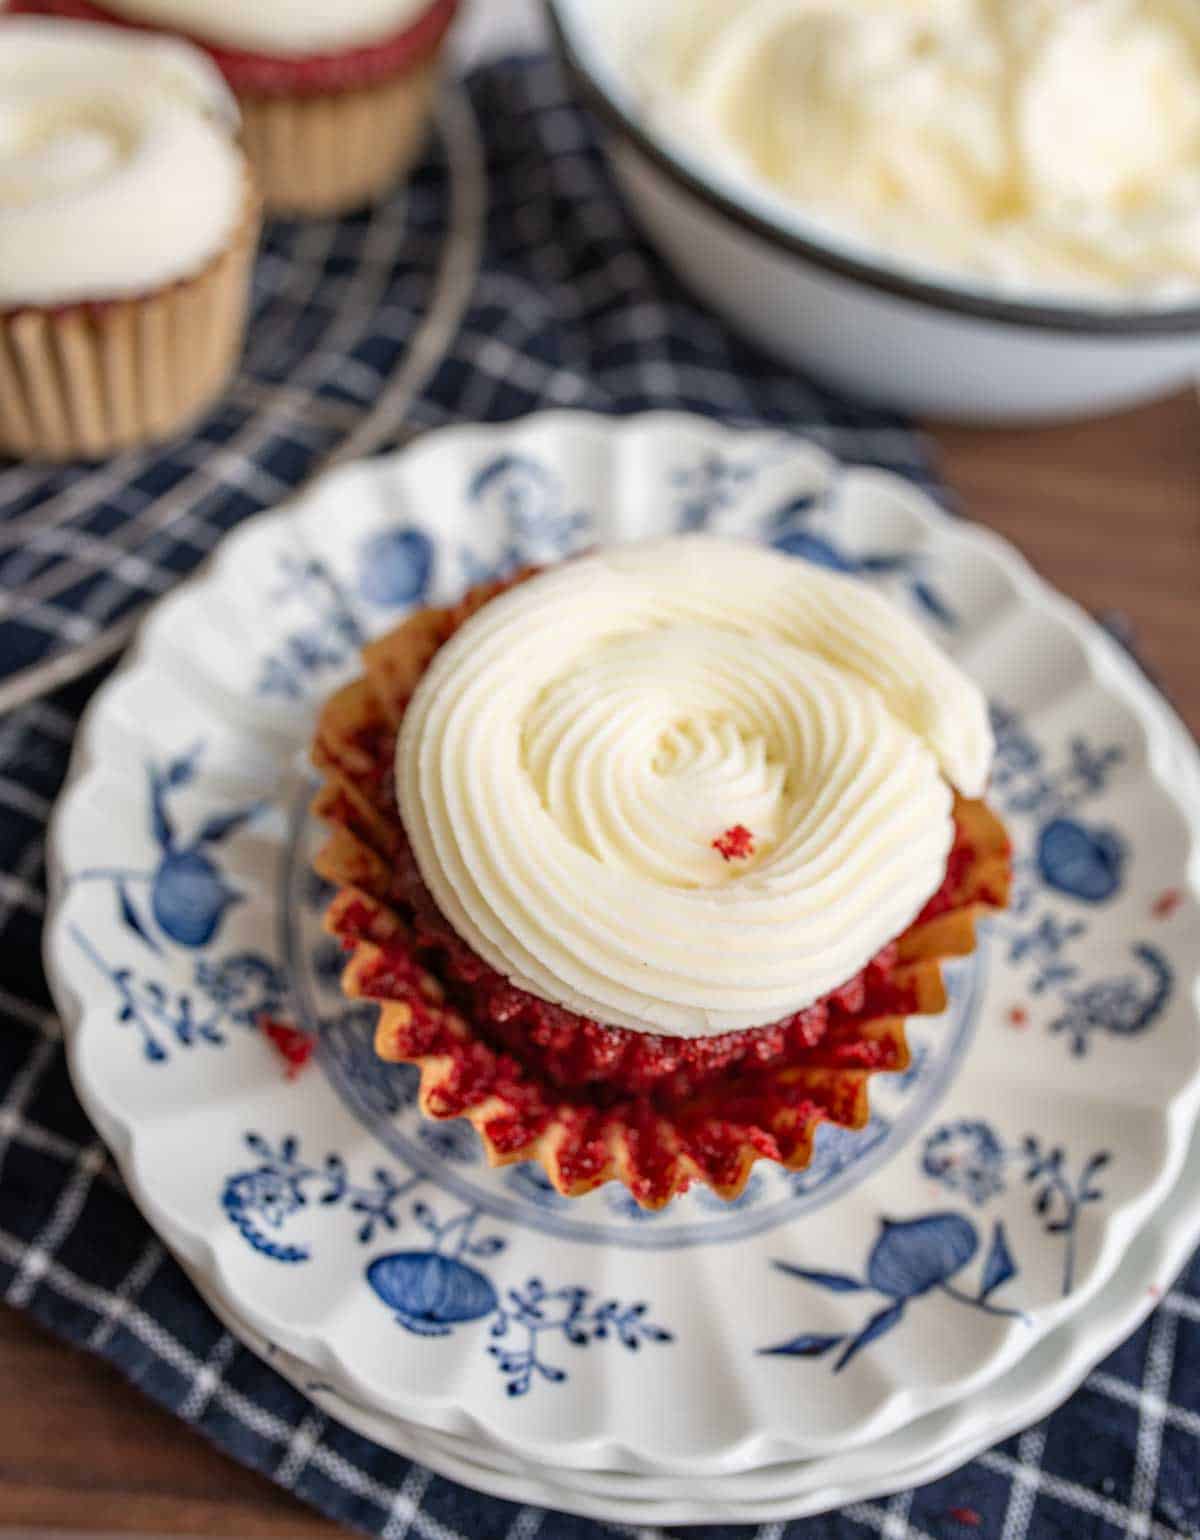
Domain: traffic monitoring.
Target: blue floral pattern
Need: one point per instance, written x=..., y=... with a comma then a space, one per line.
x=237, y=992
x=1077, y=867
x=441, y=1285
x=185, y=896
x=525, y=506
x=795, y=535
x=910, y=1260
x=969, y=1157
x=329, y=638
x=282, y=1184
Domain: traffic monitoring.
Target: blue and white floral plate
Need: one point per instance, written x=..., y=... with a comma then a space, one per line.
x=922, y=1451
x=998, y=1185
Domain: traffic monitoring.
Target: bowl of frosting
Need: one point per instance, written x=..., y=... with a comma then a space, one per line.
x=964, y=208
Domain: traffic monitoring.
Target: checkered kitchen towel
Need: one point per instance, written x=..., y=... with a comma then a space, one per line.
x=507, y=278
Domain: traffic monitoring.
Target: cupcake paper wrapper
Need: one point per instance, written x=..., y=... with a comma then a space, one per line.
x=327, y=154
x=730, y=1121
x=87, y=380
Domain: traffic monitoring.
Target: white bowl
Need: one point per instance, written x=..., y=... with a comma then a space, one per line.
x=875, y=328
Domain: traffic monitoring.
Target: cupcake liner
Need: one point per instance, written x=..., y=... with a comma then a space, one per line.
x=87, y=380
x=713, y=1132
x=328, y=154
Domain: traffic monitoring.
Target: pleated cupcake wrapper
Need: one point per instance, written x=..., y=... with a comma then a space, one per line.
x=88, y=380
x=656, y=1156
x=322, y=154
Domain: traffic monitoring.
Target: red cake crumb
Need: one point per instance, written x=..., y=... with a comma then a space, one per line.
x=1167, y=903
x=293, y=1046
x=736, y=843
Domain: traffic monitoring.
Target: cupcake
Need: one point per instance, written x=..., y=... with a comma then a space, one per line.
x=647, y=858
x=335, y=98
x=128, y=225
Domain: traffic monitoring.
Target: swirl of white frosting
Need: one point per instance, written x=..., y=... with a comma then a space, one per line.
x=574, y=751
x=281, y=27
x=119, y=168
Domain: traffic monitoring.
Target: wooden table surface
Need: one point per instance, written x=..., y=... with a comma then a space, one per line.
x=1108, y=511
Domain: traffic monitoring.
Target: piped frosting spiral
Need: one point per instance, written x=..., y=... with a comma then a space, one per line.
x=119, y=169
x=573, y=758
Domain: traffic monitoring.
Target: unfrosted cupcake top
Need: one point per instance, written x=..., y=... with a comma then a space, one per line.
x=687, y=787
x=283, y=27
x=119, y=168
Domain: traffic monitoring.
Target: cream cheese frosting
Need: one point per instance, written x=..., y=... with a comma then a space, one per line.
x=283, y=27
x=573, y=756
x=119, y=169
x=1045, y=144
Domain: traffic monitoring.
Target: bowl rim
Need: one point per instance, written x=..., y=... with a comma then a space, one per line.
x=1130, y=322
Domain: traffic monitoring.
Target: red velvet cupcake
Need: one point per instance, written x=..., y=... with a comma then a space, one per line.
x=647, y=860
x=335, y=99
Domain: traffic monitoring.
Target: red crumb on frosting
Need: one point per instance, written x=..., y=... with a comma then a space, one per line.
x=736, y=843
x=292, y=1045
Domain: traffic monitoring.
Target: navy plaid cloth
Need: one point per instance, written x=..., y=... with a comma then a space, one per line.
x=507, y=279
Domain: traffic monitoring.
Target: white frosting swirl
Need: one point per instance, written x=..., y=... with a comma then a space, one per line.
x=119, y=170
x=573, y=752
x=1049, y=144
x=281, y=27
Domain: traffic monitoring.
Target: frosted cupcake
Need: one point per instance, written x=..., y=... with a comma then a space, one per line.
x=648, y=858
x=335, y=98
x=128, y=224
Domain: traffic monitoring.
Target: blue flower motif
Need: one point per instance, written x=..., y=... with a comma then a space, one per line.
x=1123, y=1006
x=969, y=1157
x=911, y=1259
x=431, y=1294
x=283, y=1183
x=234, y=992
x=329, y=638
x=823, y=551
x=395, y=567
x=524, y=503
x=966, y=1157
x=189, y=897
x=1086, y=864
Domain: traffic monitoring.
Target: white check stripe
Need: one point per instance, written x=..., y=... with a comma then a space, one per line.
x=406, y=1507
x=130, y=1288
x=1138, y=1396
x=526, y=1524
x=1094, y=1504
x=877, y=1518
x=1156, y=1382
x=35, y=1262
x=208, y=1378
x=300, y=1448
x=24, y=1084
x=1022, y=1496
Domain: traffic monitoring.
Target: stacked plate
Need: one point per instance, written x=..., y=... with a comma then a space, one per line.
x=924, y=1288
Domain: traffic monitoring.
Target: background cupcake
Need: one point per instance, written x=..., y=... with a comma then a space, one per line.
x=128, y=224
x=335, y=98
